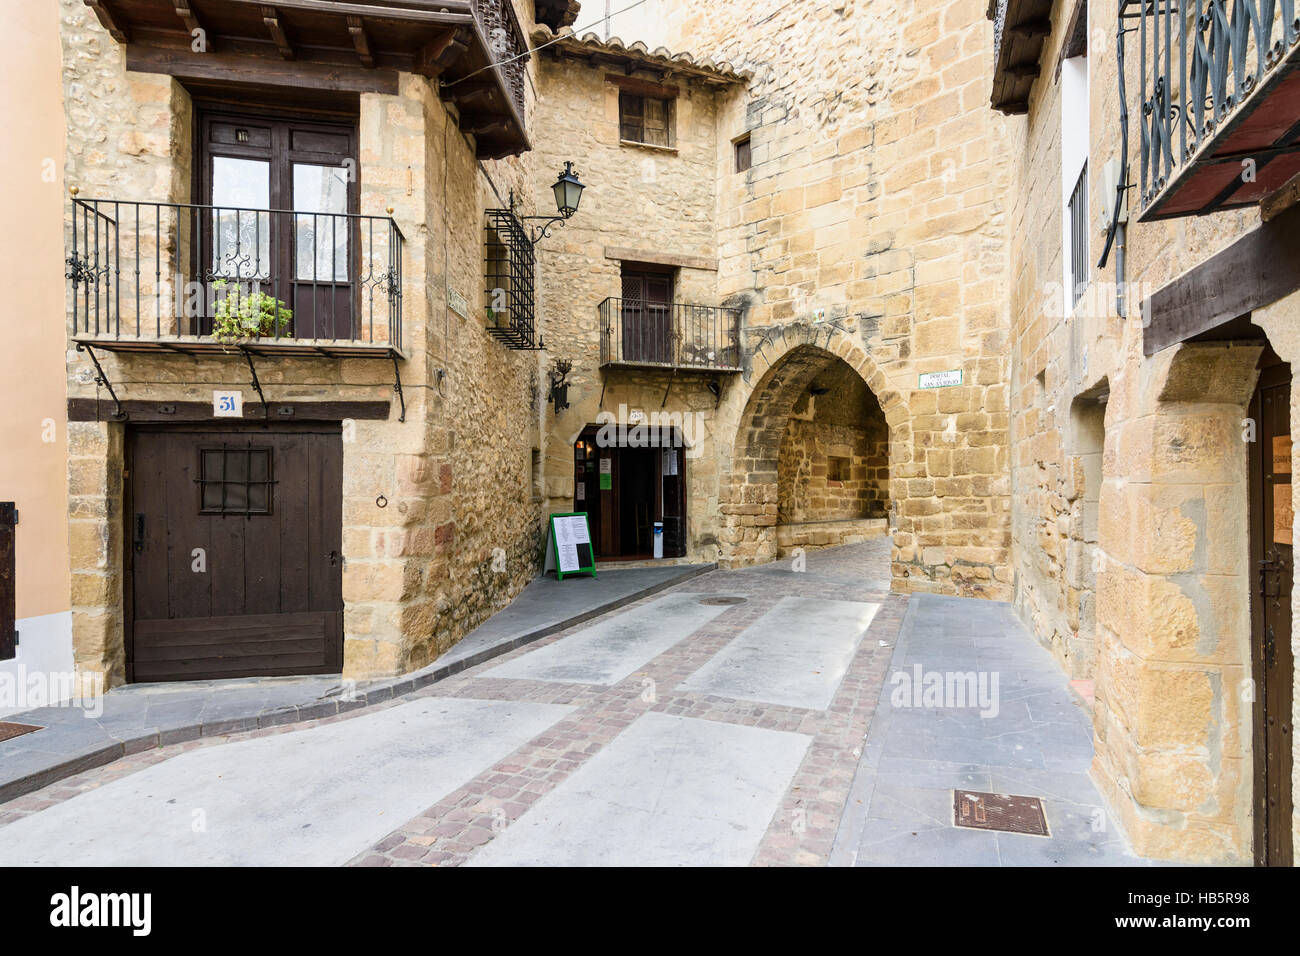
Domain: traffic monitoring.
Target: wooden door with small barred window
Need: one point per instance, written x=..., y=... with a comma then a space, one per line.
x=234, y=551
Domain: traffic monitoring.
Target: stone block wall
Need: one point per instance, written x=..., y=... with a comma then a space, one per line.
x=874, y=216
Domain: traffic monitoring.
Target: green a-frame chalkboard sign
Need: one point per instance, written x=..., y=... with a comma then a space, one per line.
x=568, y=545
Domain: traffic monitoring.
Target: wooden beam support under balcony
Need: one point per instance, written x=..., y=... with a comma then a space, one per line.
x=331, y=45
x=109, y=21
x=1020, y=31
x=360, y=42
x=271, y=18
x=442, y=53
x=192, y=24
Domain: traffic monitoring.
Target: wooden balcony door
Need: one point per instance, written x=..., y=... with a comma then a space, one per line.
x=647, y=315
x=304, y=256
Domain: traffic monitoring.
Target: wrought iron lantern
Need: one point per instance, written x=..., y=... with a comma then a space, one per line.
x=568, y=191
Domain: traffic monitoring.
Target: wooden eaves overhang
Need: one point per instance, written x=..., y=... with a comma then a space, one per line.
x=354, y=46
x=597, y=52
x=1020, y=29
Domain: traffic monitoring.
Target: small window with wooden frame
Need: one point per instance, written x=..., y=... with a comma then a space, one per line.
x=743, y=157
x=646, y=120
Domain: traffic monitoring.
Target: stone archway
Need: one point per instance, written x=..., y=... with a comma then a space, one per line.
x=783, y=370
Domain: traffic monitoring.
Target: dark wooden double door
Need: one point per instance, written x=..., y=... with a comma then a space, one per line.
x=281, y=192
x=234, y=550
x=1273, y=567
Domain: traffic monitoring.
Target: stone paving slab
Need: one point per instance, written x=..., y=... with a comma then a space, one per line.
x=668, y=791
x=313, y=798
x=796, y=654
x=139, y=717
x=1031, y=738
x=610, y=650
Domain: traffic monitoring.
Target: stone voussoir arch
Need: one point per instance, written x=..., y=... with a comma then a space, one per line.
x=780, y=369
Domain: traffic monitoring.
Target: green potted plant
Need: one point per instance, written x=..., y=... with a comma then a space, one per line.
x=240, y=315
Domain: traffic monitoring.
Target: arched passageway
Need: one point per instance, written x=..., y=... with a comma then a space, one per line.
x=811, y=460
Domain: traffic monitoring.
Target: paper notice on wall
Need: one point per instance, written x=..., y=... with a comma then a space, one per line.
x=606, y=466
x=1283, y=513
x=580, y=493
x=1282, y=454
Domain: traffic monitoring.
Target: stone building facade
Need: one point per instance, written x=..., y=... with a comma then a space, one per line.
x=853, y=298
x=440, y=520
x=1132, y=463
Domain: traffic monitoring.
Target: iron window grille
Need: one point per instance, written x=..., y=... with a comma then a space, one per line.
x=509, y=267
x=235, y=480
x=645, y=119
x=1079, y=238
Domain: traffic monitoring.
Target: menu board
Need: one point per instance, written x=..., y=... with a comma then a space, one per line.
x=568, y=545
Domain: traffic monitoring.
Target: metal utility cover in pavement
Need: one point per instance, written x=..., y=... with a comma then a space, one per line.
x=722, y=601
x=999, y=811
x=8, y=730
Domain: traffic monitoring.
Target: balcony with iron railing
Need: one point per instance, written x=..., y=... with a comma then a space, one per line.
x=1219, y=109
x=180, y=277
x=676, y=336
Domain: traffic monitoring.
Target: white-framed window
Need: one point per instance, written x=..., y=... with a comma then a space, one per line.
x=1076, y=227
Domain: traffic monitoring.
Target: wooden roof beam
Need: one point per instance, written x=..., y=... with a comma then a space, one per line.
x=360, y=41
x=271, y=17
x=191, y=22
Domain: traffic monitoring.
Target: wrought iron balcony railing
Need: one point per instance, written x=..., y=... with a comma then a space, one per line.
x=1220, y=101
x=670, y=335
x=191, y=278
x=506, y=43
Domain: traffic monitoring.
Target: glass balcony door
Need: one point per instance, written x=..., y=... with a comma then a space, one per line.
x=279, y=244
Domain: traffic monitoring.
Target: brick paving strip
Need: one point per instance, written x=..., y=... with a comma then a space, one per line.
x=800, y=833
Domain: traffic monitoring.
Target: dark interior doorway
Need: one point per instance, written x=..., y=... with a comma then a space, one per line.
x=625, y=488
x=1273, y=567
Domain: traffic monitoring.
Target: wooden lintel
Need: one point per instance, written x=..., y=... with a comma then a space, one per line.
x=1253, y=272
x=92, y=410
x=271, y=17
x=116, y=28
x=1021, y=70
x=266, y=71
x=360, y=41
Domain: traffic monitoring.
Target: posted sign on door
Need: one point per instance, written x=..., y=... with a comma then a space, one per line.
x=568, y=545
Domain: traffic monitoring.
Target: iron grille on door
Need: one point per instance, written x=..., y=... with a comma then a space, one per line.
x=1079, y=238
x=508, y=278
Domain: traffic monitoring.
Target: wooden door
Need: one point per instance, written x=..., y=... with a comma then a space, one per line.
x=234, y=552
x=303, y=255
x=1273, y=569
x=647, y=316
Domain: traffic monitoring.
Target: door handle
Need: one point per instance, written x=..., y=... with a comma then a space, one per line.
x=139, y=533
x=334, y=558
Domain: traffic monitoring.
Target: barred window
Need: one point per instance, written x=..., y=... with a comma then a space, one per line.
x=508, y=266
x=645, y=119
x=235, y=480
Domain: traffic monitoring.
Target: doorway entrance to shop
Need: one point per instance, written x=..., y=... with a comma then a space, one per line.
x=628, y=486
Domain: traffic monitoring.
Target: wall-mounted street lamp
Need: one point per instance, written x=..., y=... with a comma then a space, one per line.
x=568, y=193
